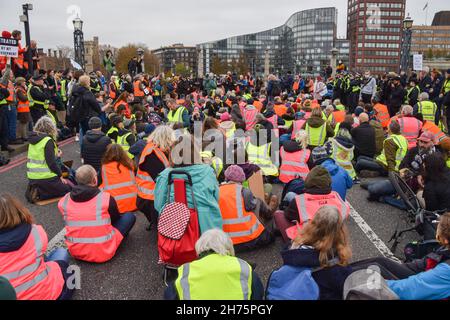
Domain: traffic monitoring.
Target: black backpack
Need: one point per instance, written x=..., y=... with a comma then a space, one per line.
x=75, y=109
x=276, y=89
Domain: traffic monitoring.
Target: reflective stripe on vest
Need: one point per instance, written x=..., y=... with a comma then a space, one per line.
x=294, y=165
x=98, y=222
x=22, y=106
x=410, y=128
x=402, y=144
x=37, y=168
x=230, y=274
x=177, y=116
x=122, y=141
x=261, y=157
x=32, y=267
x=316, y=136
x=117, y=190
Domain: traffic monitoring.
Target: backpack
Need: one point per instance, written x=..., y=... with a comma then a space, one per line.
x=297, y=186
x=75, y=110
x=178, y=228
x=292, y=283
x=276, y=89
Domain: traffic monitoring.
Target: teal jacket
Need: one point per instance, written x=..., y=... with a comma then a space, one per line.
x=206, y=193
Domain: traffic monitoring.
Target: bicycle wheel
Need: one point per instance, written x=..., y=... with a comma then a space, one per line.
x=405, y=192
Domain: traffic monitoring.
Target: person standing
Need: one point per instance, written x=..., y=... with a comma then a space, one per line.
x=23, y=109
x=396, y=96
x=5, y=100
x=108, y=63
x=368, y=88
x=38, y=97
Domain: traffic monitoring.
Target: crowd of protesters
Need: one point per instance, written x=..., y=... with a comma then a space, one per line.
x=331, y=130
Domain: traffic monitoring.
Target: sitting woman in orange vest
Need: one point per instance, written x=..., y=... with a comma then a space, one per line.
x=94, y=226
x=118, y=178
x=23, y=263
x=153, y=160
x=122, y=100
x=295, y=158
x=247, y=220
x=302, y=207
x=324, y=246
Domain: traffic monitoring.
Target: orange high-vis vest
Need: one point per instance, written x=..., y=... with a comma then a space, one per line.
x=22, y=106
x=339, y=116
x=89, y=234
x=26, y=270
x=120, y=183
x=308, y=204
x=138, y=92
x=145, y=183
x=410, y=128
x=296, y=127
x=112, y=90
x=10, y=88
x=250, y=118
x=241, y=225
x=258, y=105
x=382, y=114
x=280, y=109
x=294, y=165
x=434, y=129
x=296, y=85
x=127, y=108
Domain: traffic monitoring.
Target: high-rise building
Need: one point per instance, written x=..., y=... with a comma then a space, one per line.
x=441, y=18
x=374, y=29
x=302, y=45
x=174, y=55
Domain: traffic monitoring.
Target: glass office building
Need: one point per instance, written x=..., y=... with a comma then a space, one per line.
x=302, y=45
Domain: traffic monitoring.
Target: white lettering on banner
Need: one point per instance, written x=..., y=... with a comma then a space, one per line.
x=418, y=62
x=9, y=47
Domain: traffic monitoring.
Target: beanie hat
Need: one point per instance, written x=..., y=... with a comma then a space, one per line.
x=235, y=173
x=95, y=123
x=358, y=111
x=318, y=178
x=127, y=123
x=320, y=154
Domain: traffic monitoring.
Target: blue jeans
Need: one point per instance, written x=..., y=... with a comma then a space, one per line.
x=59, y=254
x=366, y=163
x=125, y=223
x=380, y=189
x=84, y=127
x=11, y=115
x=61, y=257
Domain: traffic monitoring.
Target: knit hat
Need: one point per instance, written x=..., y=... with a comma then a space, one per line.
x=225, y=117
x=149, y=128
x=235, y=173
x=128, y=123
x=358, y=111
x=426, y=137
x=320, y=153
x=318, y=178
x=95, y=123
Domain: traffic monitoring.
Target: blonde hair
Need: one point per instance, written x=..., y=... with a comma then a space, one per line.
x=328, y=235
x=316, y=112
x=163, y=137
x=13, y=212
x=215, y=240
x=85, y=81
x=302, y=138
x=45, y=125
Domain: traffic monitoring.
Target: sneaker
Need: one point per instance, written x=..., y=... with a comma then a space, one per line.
x=77, y=137
x=356, y=181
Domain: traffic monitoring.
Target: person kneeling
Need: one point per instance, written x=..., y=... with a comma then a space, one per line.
x=217, y=274
x=94, y=226
x=242, y=213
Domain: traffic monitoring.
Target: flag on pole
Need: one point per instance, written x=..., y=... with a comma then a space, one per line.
x=75, y=64
x=426, y=6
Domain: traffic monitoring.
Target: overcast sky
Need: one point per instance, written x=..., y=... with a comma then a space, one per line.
x=164, y=22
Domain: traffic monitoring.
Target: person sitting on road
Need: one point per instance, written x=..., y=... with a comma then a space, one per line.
x=43, y=167
x=23, y=263
x=247, y=234
x=217, y=274
x=364, y=138
x=94, y=144
x=423, y=279
x=340, y=179
x=94, y=226
x=185, y=156
x=296, y=158
x=127, y=136
x=324, y=246
x=318, y=129
x=116, y=125
x=117, y=174
x=153, y=160
x=302, y=208
x=342, y=150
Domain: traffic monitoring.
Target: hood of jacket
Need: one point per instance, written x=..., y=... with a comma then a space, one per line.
x=83, y=193
x=291, y=146
x=35, y=138
x=315, y=122
x=345, y=143
x=13, y=239
x=305, y=256
x=94, y=136
x=331, y=166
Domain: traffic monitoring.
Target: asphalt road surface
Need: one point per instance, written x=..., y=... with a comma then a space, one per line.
x=134, y=272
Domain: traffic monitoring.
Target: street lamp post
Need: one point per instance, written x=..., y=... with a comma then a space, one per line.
x=406, y=43
x=333, y=61
x=78, y=40
x=26, y=21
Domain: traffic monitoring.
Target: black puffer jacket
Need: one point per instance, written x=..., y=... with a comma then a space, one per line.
x=94, y=147
x=437, y=193
x=89, y=106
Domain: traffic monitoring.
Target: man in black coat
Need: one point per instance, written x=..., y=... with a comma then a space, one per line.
x=396, y=97
x=94, y=144
x=364, y=138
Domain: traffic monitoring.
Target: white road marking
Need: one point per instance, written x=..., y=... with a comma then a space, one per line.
x=57, y=241
x=377, y=242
